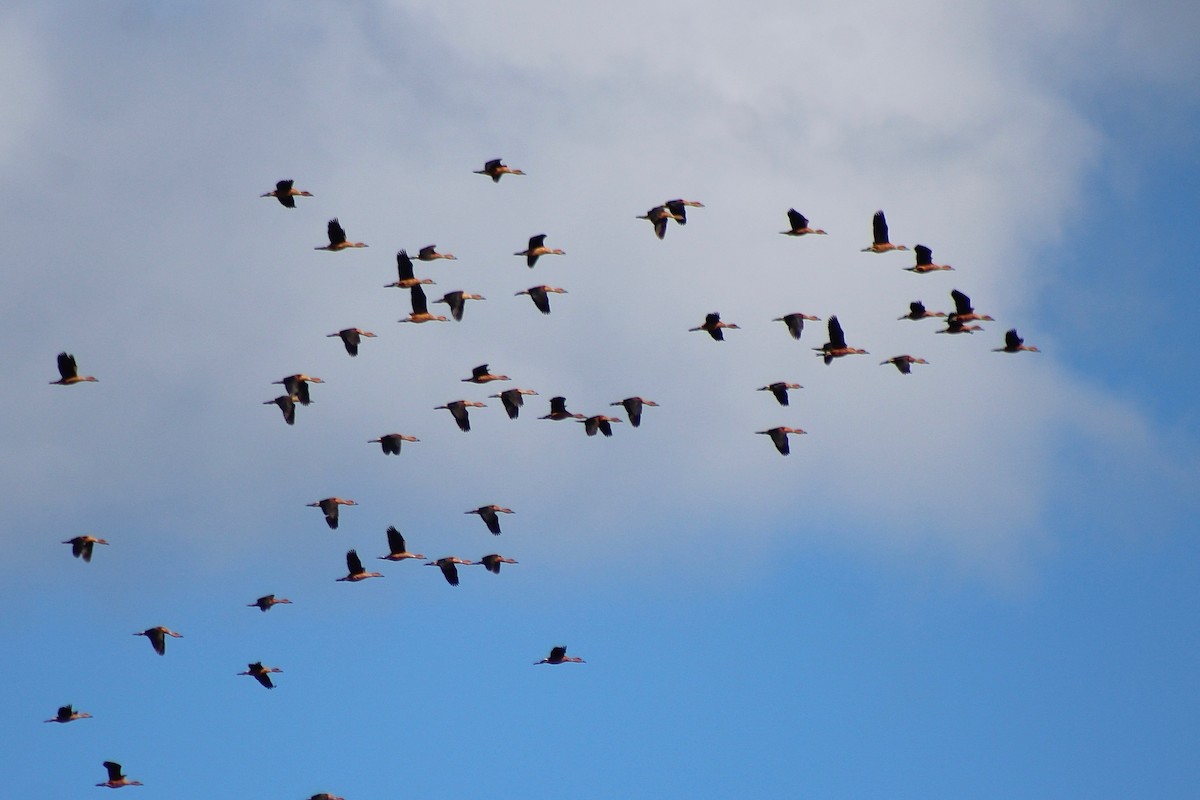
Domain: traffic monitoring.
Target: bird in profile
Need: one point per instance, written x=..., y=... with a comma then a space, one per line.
x=780, y=390
x=492, y=562
x=115, y=779
x=679, y=207
x=558, y=655
x=917, y=311
x=390, y=442
x=337, y=238
x=512, y=400
x=158, y=638
x=558, y=410
x=68, y=713
x=658, y=216
x=489, y=515
x=287, y=405
x=69, y=372
x=779, y=436
x=267, y=602
x=633, y=408
x=798, y=225
x=397, y=549
x=1015, y=344
x=458, y=410
x=925, y=261
x=537, y=248
x=286, y=193
x=481, y=374
x=795, y=322
x=297, y=387
x=429, y=253
x=261, y=674
x=351, y=338
x=406, y=278
x=955, y=324
x=881, y=244
x=82, y=546
x=457, y=300
x=903, y=363
x=329, y=507
x=495, y=169
x=355, y=571
x=836, y=347
x=714, y=327
x=448, y=568
x=420, y=308
x=964, y=311
x=601, y=423
x=540, y=295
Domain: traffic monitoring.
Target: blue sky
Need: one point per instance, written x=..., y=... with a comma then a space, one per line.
x=976, y=580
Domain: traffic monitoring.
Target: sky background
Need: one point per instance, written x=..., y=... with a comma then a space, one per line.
x=978, y=580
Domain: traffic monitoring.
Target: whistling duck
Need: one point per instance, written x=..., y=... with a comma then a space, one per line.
x=352, y=337
x=512, y=400
x=407, y=279
x=836, y=346
x=329, y=507
x=287, y=405
x=964, y=311
x=495, y=168
x=489, y=516
x=261, y=674
x=558, y=410
x=492, y=562
x=420, y=308
x=429, y=253
x=916, y=311
x=390, y=442
x=68, y=714
x=540, y=296
x=658, y=216
x=158, y=638
x=795, y=322
x=633, y=408
x=537, y=248
x=600, y=422
x=678, y=209
x=779, y=437
x=880, y=229
x=82, y=546
x=925, y=261
x=558, y=655
x=397, y=549
x=1015, y=344
x=955, y=325
x=337, y=238
x=903, y=363
x=115, y=779
x=355, y=566
x=286, y=194
x=481, y=375
x=458, y=409
x=267, y=602
x=780, y=390
x=449, y=571
x=799, y=225
x=713, y=325
x=69, y=372
x=457, y=300
x=297, y=387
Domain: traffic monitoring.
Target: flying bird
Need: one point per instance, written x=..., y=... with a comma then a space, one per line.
x=297, y=387
x=916, y=311
x=406, y=279
x=351, y=338
x=495, y=169
x=558, y=655
x=481, y=374
x=68, y=713
x=337, y=238
x=540, y=295
x=329, y=507
x=954, y=324
x=795, y=322
x=448, y=568
x=489, y=515
x=537, y=248
x=678, y=209
x=925, y=261
x=158, y=638
x=355, y=569
x=457, y=300
x=780, y=390
x=836, y=347
x=779, y=436
x=659, y=215
x=492, y=562
x=267, y=602
x=82, y=546
x=903, y=363
x=69, y=372
x=286, y=193
x=633, y=408
x=397, y=549
x=881, y=244
x=798, y=225
x=558, y=410
x=1015, y=344
x=429, y=253
x=512, y=400
x=965, y=311
x=115, y=779
x=600, y=423
x=420, y=308
x=390, y=442
x=261, y=674
x=458, y=409
x=713, y=326
x=287, y=405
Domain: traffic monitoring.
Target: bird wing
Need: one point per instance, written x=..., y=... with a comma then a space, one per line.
x=88, y=547
x=1012, y=341
x=427, y=251
x=781, y=393
x=491, y=519
x=962, y=303
x=479, y=371
x=512, y=401
x=795, y=324
x=880, y=228
x=537, y=241
x=353, y=562
x=395, y=540
x=916, y=309
x=158, y=641
x=420, y=304
x=837, y=337
x=457, y=304
x=459, y=411
x=66, y=366
x=558, y=405
x=924, y=255
x=114, y=770
x=677, y=208
x=557, y=654
x=284, y=187
x=797, y=220
x=540, y=299
x=449, y=571
x=493, y=165
x=336, y=234
x=491, y=563
x=633, y=407
x=781, y=441
x=404, y=266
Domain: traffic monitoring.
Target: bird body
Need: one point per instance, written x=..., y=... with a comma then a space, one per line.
x=536, y=249
x=158, y=638
x=267, y=601
x=558, y=410
x=558, y=655
x=390, y=442
x=337, y=238
x=1015, y=344
x=481, y=374
x=286, y=193
x=659, y=215
x=397, y=549
x=420, y=308
x=287, y=404
x=406, y=279
x=795, y=322
x=633, y=408
x=925, y=261
x=448, y=568
x=68, y=713
x=329, y=507
x=916, y=311
x=115, y=779
x=297, y=387
x=458, y=409
x=954, y=324
x=904, y=363
x=261, y=674
x=495, y=169
x=489, y=516
x=82, y=546
x=492, y=562
x=512, y=400
x=779, y=437
x=881, y=243
x=69, y=372
x=780, y=390
x=355, y=569
x=429, y=253
x=540, y=295
x=678, y=209
x=836, y=347
x=351, y=338
x=600, y=423
x=457, y=300
x=714, y=327
x=964, y=311
x=798, y=225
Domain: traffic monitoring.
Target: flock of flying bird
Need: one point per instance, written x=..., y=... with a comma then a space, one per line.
x=963, y=319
